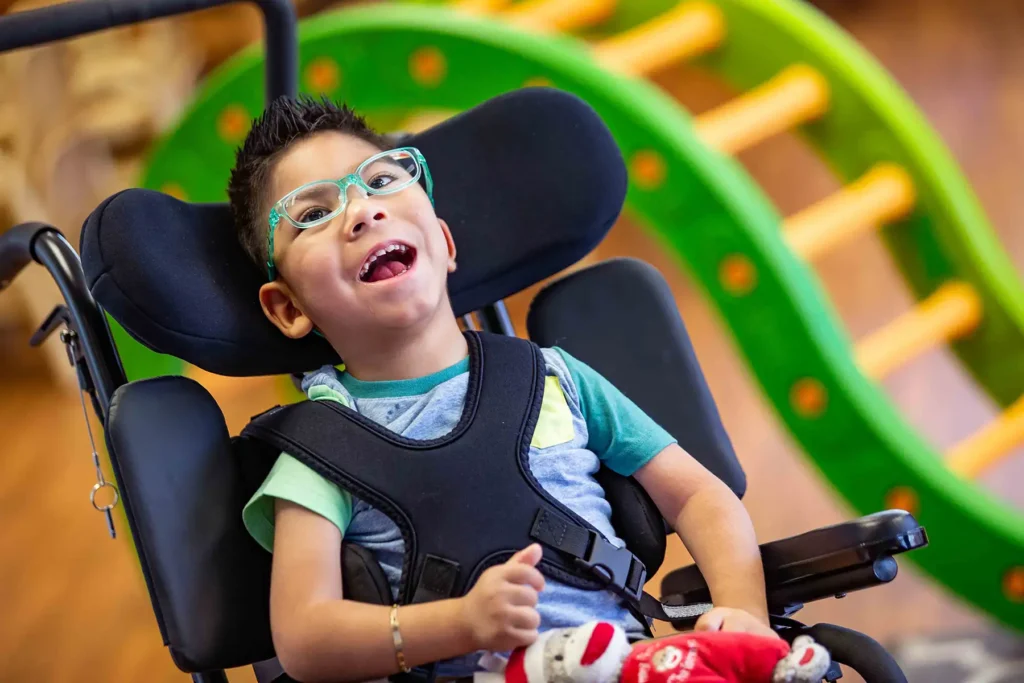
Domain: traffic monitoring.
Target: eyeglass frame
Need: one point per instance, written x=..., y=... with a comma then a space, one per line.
x=423, y=170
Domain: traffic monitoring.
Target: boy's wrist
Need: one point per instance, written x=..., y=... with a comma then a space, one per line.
x=458, y=615
x=435, y=630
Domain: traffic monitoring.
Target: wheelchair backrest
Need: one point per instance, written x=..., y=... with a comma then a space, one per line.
x=529, y=182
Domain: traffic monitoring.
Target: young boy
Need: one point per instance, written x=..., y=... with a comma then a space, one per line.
x=365, y=265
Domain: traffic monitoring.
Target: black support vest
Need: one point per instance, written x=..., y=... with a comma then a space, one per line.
x=465, y=501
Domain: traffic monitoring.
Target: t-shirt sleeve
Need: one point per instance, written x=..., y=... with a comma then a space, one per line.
x=622, y=435
x=291, y=480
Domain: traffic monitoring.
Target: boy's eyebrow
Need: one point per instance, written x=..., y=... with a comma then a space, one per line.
x=317, y=191
x=352, y=169
x=311, y=191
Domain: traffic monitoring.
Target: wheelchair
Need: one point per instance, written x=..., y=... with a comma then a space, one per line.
x=548, y=184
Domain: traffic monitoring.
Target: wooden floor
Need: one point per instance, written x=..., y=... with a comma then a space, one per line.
x=74, y=608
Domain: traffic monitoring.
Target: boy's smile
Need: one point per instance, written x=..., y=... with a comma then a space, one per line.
x=386, y=261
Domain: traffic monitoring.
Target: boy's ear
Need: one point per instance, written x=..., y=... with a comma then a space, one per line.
x=451, y=244
x=280, y=307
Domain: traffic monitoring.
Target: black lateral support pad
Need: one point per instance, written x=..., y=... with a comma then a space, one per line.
x=620, y=318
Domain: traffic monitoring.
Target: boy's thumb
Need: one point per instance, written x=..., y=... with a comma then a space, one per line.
x=530, y=555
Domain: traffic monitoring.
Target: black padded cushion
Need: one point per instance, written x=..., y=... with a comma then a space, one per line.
x=529, y=183
x=183, y=492
x=635, y=518
x=620, y=318
x=363, y=578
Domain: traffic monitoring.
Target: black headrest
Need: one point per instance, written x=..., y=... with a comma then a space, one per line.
x=529, y=183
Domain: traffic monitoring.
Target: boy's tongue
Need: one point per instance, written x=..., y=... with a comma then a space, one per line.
x=385, y=269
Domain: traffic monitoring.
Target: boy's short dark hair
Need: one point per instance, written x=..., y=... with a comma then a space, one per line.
x=285, y=121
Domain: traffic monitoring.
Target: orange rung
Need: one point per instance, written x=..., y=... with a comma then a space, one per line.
x=795, y=95
x=481, y=6
x=953, y=311
x=687, y=30
x=883, y=194
x=974, y=455
x=559, y=15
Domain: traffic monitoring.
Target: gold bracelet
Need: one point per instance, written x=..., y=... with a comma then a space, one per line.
x=396, y=636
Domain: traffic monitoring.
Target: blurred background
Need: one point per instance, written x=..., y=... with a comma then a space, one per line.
x=77, y=120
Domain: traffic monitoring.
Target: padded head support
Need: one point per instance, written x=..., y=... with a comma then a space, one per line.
x=529, y=183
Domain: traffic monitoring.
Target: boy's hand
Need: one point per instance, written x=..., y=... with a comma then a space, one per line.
x=732, y=619
x=499, y=613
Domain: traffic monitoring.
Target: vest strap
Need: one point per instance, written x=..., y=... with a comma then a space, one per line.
x=616, y=568
x=681, y=615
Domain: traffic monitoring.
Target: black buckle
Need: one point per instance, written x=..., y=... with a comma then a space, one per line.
x=613, y=566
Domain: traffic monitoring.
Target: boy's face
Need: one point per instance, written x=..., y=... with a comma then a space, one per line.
x=330, y=276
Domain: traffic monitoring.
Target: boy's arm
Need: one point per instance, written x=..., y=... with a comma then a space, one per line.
x=715, y=528
x=318, y=635
x=707, y=515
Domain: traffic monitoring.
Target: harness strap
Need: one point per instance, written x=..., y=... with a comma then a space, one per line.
x=613, y=566
x=619, y=570
x=678, y=614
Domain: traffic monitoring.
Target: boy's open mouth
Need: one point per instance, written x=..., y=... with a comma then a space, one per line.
x=387, y=260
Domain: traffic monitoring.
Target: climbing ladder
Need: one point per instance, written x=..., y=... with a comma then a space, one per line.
x=797, y=71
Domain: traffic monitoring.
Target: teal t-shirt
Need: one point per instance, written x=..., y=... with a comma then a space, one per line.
x=584, y=422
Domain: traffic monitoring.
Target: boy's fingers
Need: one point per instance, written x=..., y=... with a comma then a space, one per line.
x=525, y=637
x=530, y=555
x=525, y=618
x=526, y=575
x=712, y=621
x=523, y=595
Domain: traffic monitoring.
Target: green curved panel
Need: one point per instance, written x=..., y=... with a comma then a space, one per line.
x=871, y=119
x=707, y=210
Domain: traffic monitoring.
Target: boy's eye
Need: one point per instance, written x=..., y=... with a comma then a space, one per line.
x=314, y=214
x=381, y=180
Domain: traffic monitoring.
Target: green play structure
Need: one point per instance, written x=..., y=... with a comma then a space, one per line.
x=392, y=61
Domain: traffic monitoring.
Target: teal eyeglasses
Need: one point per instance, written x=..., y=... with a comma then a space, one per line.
x=318, y=202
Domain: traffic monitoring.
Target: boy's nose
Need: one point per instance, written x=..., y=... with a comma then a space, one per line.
x=362, y=212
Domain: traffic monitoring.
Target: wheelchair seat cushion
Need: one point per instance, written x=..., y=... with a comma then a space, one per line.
x=523, y=201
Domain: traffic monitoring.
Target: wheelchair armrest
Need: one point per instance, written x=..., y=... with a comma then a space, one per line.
x=830, y=561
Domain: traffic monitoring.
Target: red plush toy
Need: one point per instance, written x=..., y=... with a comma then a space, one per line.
x=720, y=657
x=599, y=652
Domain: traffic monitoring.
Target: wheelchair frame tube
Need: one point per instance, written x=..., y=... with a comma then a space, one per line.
x=210, y=677
x=862, y=653
x=71, y=19
x=46, y=245
x=494, y=318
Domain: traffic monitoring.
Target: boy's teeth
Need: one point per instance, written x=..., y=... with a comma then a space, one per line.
x=381, y=252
